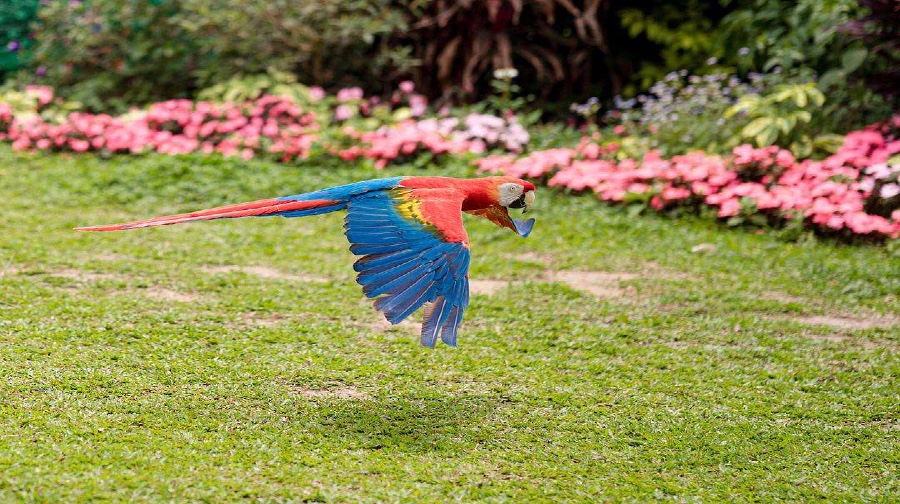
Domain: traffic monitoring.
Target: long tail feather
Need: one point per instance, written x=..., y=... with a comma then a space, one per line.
x=259, y=208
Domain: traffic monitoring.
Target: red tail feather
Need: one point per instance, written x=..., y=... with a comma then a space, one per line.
x=254, y=208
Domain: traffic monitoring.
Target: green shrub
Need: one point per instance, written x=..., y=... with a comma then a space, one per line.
x=717, y=112
x=781, y=116
x=111, y=54
x=15, y=41
x=796, y=35
x=330, y=42
x=680, y=33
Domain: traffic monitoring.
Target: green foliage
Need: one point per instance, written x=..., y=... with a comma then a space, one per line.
x=243, y=89
x=113, y=54
x=15, y=40
x=507, y=98
x=333, y=42
x=685, y=112
x=683, y=32
x=797, y=35
x=781, y=116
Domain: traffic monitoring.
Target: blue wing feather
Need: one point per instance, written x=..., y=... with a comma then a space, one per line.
x=405, y=265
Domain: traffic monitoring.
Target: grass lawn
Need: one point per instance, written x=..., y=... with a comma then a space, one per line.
x=600, y=358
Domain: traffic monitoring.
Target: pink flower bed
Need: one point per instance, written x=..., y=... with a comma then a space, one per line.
x=269, y=124
x=436, y=136
x=842, y=193
x=404, y=139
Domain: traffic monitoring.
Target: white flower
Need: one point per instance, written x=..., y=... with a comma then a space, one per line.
x=506, y=73
x=888, y=191
x=879, y=171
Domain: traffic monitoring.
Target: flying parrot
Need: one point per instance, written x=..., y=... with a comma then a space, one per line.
x=408, y=232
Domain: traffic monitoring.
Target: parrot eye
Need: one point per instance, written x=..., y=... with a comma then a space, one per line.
x=510, y=193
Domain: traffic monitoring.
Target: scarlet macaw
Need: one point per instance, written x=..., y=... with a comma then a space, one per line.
x=409, y=232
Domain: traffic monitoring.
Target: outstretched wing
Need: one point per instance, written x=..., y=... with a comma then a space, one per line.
x=414, y=251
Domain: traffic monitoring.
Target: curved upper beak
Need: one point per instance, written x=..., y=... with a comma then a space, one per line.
x=523, y=201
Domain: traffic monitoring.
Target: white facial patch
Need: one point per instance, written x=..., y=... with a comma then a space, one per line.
x=510, y=192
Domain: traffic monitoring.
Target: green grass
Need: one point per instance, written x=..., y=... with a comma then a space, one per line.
x=129, y=370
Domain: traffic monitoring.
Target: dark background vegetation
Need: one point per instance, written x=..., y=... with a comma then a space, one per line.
x=109, y=54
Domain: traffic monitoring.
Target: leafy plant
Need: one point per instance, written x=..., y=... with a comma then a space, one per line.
x=15, y=39
x=247, y=88
x=331, y=42
x=113, y=54
x=683, y=112
x=33, y=102
x=682, y=33
x=792, y=34
x=780, y=116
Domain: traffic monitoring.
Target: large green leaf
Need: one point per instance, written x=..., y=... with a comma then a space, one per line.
x=757, y=126
x=853, y=59
x=767, y=136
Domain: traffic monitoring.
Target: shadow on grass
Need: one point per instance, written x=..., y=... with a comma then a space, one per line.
x=406, y=423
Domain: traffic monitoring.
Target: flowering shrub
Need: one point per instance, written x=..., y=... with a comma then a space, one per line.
x=855, y=191
x=408, y=139
x=268, y=124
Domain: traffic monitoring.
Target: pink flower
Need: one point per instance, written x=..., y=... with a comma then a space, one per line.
x=79, y=145
x=44, y=94
x=591, y=151
x=350, y=94
x=729, y=208
x=342, y=113
x=407, y=86
x=316, y=93
x=675, y=193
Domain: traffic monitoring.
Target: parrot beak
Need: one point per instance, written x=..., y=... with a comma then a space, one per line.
x=523, y=201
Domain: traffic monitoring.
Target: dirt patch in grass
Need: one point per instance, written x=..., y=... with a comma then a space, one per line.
x=846, y=322
x=8, y=271
x=85, y=276
x=340, y=391
x=266, y=272
x=598, y=283
x=411, y=324
x=109, y=256
x=845, y=339
x=487, y=287
x=535, y=257
x=263, y=320
x=161, y=294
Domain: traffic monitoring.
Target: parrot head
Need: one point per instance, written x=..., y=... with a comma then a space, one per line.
x=496, y=195
x=519, y=194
